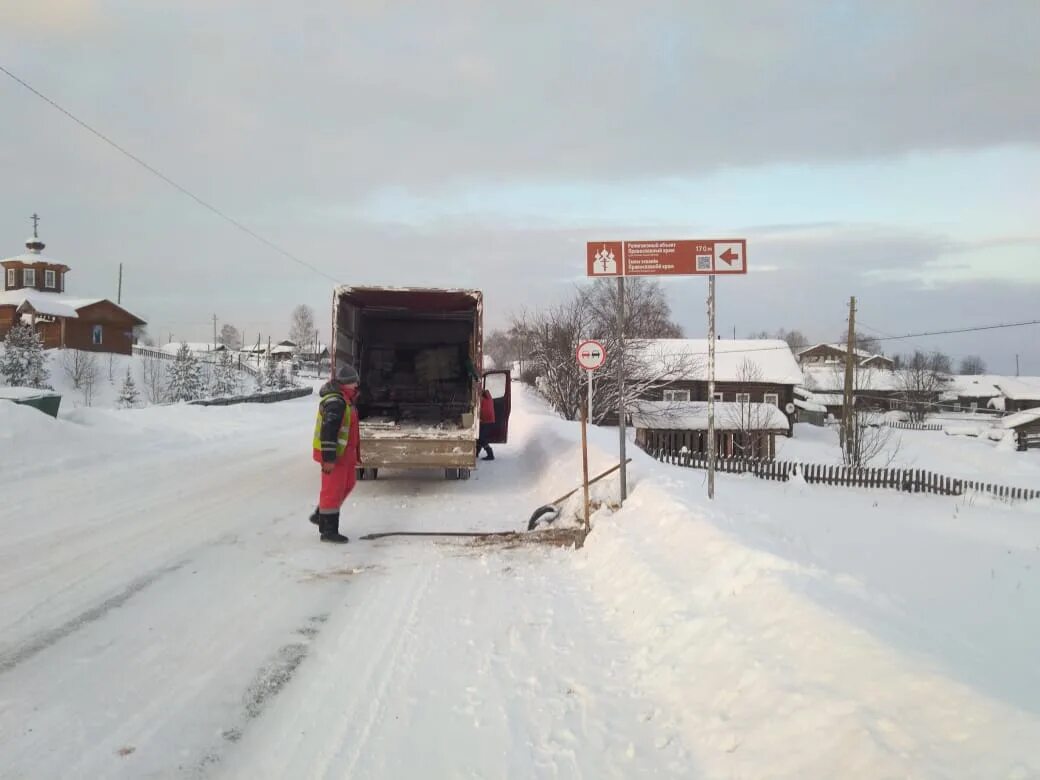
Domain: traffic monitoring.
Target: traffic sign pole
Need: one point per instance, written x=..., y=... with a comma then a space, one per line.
x=711, y=387
x=622, y=434
x=590, y=397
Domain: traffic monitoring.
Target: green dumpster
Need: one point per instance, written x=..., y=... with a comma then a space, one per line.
x=44, y=400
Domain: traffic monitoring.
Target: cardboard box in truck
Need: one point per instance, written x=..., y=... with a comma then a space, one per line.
x=418, y=353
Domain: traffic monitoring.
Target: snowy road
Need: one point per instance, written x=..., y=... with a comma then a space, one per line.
x=166, y=611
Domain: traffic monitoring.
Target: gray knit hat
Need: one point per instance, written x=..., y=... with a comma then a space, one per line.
x=347, y=375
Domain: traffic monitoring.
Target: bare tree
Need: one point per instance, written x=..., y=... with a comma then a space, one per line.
x=229, y=336
x=867, y=440
x=552, y=335
x=920, y=381
x=748, y=418
x=863, y=342
x=973, y=365
x=502, y=347
x=82, y=368
x=154, y=374
x=301, y=330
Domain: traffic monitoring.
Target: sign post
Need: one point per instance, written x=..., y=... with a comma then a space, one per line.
x=591, y=356
x=694, y=257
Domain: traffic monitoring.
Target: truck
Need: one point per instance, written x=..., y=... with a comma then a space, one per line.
x=419, y=355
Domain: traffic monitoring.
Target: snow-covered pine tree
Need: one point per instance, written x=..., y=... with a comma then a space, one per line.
x=225, y=378
x=270, y=375
x=128, y=396
x=282, y=378
x=185, y=377
x=24, y=363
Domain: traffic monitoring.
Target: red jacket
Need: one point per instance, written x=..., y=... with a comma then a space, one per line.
x=487, y=409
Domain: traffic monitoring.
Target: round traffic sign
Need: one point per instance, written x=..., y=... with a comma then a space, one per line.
x=591, y=355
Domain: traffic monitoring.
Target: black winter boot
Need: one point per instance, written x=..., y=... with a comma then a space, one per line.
x=316, y=517
x=330, y=531
x=490, y=453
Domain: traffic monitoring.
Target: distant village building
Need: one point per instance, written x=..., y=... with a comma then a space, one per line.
x=34, y=292
x=835, y=354
x=759, y=371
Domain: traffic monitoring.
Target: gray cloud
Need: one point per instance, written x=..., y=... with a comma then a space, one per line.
x=275, y=112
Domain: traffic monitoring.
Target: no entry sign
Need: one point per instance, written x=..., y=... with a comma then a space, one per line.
x=591, y=355
x=691, y=257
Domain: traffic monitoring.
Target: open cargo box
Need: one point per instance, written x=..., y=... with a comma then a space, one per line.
x=415, y=351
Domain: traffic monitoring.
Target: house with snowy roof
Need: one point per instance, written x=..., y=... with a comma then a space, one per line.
x=1021, y=393
x=746, y=371
x=835, y=354
x=34, y=292
x=755, y=381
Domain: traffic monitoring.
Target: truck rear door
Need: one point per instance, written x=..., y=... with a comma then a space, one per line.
x=499, y=385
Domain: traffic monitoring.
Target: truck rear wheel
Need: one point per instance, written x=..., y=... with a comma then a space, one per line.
x=451, y=474
x=464, y=473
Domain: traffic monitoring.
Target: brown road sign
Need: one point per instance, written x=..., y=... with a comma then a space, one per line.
x=666, y=258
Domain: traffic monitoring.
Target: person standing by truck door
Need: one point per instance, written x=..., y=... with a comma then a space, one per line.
x=337, y=447
x=487, y=419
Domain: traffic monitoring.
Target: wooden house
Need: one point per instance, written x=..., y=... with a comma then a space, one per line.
x=752, y=371
x=742, y=430
x=1026, y=426
x=34, y=293
x=835, y=354
x=1020, y=392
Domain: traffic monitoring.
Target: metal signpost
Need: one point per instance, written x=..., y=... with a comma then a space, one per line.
x=709, y=257
x=591, y=356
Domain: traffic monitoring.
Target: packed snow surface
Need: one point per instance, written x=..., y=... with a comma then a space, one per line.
x=167, y=611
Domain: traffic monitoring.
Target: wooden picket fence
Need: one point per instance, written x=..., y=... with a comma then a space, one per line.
x=907, y=426
x=906, y=480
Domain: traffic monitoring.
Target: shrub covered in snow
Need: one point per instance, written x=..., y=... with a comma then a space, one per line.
x=23, y=363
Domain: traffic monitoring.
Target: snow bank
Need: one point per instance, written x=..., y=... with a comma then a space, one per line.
x=789, y=649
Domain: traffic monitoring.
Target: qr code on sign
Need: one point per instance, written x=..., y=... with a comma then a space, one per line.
x=703, y=262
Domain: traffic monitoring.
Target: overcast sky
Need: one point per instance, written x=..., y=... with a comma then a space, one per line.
x=885, y=150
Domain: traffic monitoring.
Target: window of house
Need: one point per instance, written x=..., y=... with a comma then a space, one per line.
x=48, y=279
x=772, y=398
x=96, y=335
x=29, y=277
x=718, y=397
x=10, y=278
x=677, y=395
x=743, y=398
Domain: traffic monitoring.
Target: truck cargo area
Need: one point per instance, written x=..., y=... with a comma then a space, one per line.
x=415, y=351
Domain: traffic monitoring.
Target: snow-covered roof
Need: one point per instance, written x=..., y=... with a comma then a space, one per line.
x=1019, y=419
x=53, y=304
x=832, y=379
x=1020, y=388
x=974, y=385
x=283, y=349
x=810, y=406
x=693, y=416
x=308, y=349
x=23, y=393
x=32, y=258
x=766, y=361
x=840, y=347
x=175, y=346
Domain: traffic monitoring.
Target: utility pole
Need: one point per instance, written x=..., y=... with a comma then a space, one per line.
x=848, y=416
x=1016, y=366
x=119, y=290
x=214, y=331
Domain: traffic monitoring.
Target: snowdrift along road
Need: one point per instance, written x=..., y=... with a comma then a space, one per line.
x=166, y=610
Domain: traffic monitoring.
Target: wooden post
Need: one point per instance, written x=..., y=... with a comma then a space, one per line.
x=585, y=465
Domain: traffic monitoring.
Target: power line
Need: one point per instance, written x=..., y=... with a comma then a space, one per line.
x=180, y=188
